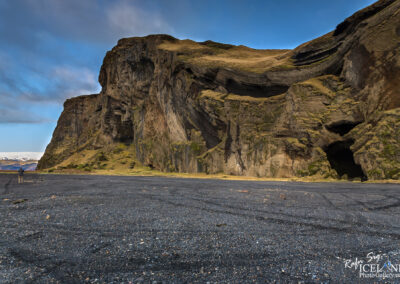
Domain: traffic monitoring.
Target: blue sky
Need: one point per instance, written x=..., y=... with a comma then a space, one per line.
x=51, y=50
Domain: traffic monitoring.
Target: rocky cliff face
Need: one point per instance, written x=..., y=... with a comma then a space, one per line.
x=330, y=107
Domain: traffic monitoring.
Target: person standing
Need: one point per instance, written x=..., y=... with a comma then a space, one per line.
x=21, y=175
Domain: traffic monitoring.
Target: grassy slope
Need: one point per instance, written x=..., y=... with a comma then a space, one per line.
x=118, y=162
x=147, y=172
x=210, y=54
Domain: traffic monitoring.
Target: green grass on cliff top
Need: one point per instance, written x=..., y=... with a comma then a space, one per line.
x=212, y=54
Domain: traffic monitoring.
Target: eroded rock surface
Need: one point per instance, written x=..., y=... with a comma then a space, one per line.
x=179, y=105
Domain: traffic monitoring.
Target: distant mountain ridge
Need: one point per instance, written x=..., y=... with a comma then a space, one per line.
x=14, y=165
x=12, y=161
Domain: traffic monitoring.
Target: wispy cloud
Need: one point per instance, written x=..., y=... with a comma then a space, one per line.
x=21, y=95
x=63, y=82
x=73, y=81
x=52, y=86
x=127, y=19
x=16, y=115
x=88, y=21
x=51, y=50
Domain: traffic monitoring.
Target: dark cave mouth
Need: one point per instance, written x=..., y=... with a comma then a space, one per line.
x=342, y=127
x=342, y=161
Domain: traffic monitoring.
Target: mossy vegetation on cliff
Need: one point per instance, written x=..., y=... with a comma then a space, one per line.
x=211, y=54
x=377, y=148
x=183, y=106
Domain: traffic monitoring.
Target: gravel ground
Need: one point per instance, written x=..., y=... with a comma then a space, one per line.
x=107, y=229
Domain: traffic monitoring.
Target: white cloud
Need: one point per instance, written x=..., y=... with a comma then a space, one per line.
x=74, y=81
x=79, y=81
x=16, y=115
x=86, y=20
x=43, y=50
x=129, y=20
x=64, y=82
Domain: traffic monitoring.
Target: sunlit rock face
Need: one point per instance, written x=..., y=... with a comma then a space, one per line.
x=184, y=106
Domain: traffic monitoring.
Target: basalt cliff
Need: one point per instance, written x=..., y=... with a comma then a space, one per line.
x=329, y=108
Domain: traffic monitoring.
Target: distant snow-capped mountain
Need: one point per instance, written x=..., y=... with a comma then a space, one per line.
x=21, y=156
x=12, y=161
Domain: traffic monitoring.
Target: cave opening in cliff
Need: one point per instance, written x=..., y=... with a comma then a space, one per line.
x=342, y=127
x=341, y=159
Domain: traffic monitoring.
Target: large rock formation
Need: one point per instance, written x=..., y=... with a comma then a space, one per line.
x=330, y=107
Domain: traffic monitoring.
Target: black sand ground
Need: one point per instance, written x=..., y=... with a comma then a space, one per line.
x=66, y=229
